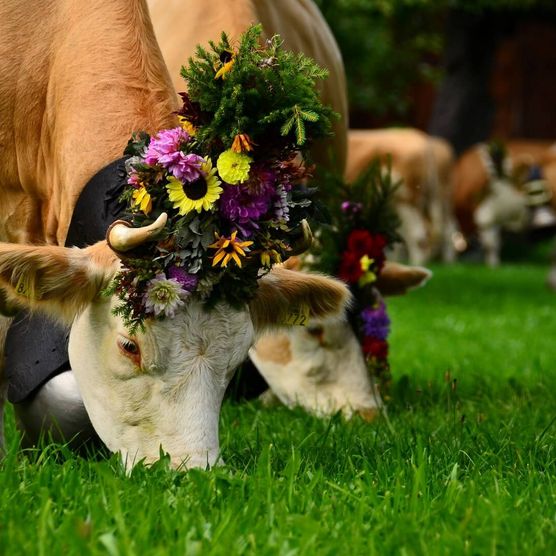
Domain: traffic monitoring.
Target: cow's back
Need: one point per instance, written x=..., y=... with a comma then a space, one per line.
x=181, y=24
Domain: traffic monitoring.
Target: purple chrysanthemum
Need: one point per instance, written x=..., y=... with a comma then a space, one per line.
x=376, y=322
x=163, y=296
x=245, y=203
x=165, y=149
x=185, y=279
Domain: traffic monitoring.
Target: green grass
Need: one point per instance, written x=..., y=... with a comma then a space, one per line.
x=465, y=465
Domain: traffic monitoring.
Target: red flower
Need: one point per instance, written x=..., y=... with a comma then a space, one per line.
x=376, y=348
x=350, y=268
x=360, y=242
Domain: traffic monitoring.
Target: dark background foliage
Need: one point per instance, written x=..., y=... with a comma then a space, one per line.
x=393, y=50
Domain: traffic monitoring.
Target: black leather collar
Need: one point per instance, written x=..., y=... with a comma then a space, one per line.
x=36, y=347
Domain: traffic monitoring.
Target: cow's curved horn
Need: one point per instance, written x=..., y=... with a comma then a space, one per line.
x=121, y=236
x=306, y=240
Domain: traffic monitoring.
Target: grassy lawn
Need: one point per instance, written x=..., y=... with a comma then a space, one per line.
x=466, y=463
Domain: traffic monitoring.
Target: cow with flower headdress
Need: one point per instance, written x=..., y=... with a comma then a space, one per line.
x=159, y=315
x=334, y=366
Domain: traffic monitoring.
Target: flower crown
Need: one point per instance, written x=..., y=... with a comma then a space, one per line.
x=229, y=179
x=363, y=223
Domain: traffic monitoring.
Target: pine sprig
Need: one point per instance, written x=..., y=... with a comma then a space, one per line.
x=269, y=90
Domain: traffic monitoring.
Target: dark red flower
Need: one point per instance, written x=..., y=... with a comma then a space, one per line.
x=360, y=242
x=350, y=267
x=376, y=348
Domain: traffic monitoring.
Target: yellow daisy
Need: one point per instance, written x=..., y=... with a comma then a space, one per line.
x=229, y=249
x=187, y=126
x=142, y=199
x=233, y=167
x=198, y=195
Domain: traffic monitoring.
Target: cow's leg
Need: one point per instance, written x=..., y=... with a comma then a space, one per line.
x=56, y=412
x=414, y=233
x=490, y=242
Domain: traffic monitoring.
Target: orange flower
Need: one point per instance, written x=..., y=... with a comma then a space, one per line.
x=228, y=249
x=242, y=143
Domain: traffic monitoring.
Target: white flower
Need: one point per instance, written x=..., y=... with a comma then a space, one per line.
x=164, y=296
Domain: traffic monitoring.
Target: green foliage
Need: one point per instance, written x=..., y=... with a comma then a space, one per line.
x=270, y=92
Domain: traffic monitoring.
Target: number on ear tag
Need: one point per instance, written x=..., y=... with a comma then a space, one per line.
x=298, y=317
x=23, y=288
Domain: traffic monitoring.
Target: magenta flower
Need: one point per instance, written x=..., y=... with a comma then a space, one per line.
x=166, y=149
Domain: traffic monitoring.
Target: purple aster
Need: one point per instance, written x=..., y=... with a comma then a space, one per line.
x=376, y=322
x=165, y=149
x=185, y=279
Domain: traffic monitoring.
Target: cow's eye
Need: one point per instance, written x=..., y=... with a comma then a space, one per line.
x=128, y=346
x=315, y=330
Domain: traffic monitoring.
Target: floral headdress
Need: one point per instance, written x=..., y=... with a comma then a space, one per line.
x=229, y=179
x=363, y=223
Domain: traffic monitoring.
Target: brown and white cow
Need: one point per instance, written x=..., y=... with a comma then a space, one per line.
x=182, y=24
x=486, y=204
x=77, y=79
x=423, y=200
x=321, y=367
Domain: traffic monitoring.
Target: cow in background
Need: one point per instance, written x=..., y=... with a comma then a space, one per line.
x=495, y=189
x=423, y=200
x=182, y=24
x=70, y=96
x=321, y=367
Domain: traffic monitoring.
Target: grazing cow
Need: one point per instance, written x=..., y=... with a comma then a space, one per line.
x=424, y=165
x=182, y=24
x=321, y=367
x=486, y=203
x=70, y=96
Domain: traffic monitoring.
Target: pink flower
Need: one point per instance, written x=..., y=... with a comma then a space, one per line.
x=166, y=149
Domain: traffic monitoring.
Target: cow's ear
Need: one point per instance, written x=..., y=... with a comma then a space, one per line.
x=397, y=279
x=286, y=297
x=59, y=281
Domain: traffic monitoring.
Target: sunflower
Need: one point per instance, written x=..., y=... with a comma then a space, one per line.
x=228, y=249
x=199, y=194
x=142, y=199
x=225, y=64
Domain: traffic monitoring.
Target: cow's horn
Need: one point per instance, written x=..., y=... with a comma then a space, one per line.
x=306, y=240
x=122, y=237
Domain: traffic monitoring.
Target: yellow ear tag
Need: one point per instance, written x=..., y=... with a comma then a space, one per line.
x=23, y=287
x=298, y=317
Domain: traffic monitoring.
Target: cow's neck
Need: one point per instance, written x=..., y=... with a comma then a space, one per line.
x=105, y=79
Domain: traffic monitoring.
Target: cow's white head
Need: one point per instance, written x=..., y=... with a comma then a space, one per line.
x=321, y=367
x=161, y=388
